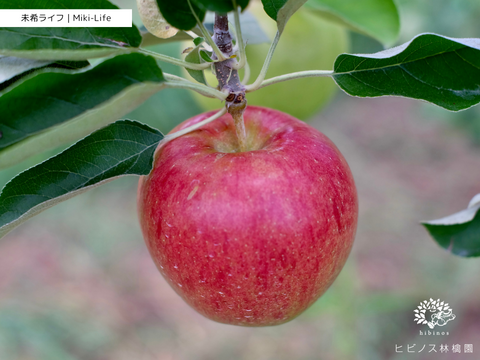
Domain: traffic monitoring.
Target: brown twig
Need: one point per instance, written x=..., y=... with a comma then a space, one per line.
x=227, y=76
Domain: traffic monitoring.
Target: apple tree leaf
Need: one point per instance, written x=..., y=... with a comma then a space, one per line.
x=123, y=148
x=55, y=106
x=441, y=70
x=12, y=69
x=206, y=56
x=376, y=18
x=272, y=7
x=281, y=10
x=179, y=14
x=11, y=66
x=221, y=6
x=194, y=57
x=459, y=232
x=50, y=43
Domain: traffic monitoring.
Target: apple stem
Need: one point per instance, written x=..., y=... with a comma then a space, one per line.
x=236, y=111
x=228, y=78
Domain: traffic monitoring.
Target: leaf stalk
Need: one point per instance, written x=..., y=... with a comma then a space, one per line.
x=292, y=76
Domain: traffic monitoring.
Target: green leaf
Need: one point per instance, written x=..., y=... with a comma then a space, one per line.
x=281, y=10
x=197, y=41
x=272, y=7
x=206, y=56
x=376, y=18
x=74, y=103
x=13, y=69
x=178, y=13
x=221, y=6
x=122, y=148
x=11, y=66
x=194, y=57
x=67, y=64
x=460, y=232
x=438, y=69
x=65, y=43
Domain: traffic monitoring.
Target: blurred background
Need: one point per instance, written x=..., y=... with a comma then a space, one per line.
x=77, y=282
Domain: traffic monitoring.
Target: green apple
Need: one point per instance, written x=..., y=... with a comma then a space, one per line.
x=307, y=43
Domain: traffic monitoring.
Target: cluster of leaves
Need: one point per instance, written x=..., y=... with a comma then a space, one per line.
x=51, y=94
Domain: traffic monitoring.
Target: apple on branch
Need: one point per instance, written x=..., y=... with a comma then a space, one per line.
x=249, y=237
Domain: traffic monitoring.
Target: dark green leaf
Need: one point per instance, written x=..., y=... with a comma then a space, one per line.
x=194, y=57
x=178, y=13
x=281, y=10
x=55, y=97
x=86, y=100
x=221, y=6
x=461, y=240
x=206, y=56
x=197, y=41
x=65, y=43
x=460, y=232
x=441, y=70
x=272, y=7
x=376, y=18
x=122, y=148
x=12, y=69
x=67, y=64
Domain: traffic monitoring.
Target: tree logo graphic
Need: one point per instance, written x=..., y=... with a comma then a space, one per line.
x=433, y=313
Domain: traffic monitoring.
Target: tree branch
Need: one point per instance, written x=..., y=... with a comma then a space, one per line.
x=227, y=76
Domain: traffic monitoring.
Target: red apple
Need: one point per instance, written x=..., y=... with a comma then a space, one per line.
x=249, y=238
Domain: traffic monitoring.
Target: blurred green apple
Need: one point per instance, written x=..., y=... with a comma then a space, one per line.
x=307, y=43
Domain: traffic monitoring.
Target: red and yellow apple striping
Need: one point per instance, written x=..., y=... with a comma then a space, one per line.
x=249, y=238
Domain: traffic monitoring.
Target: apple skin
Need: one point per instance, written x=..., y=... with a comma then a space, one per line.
x=249, y=238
